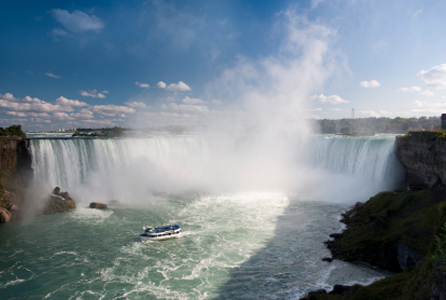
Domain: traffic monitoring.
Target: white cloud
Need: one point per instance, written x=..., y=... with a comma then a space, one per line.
x=67, y=102
x=16, y=113
x=112, y=110
x=188, y=100
x=93, y=94
x=56, y=32
x=333, y=99
x=83, y=114
x=435, y=77
x=77, y=21
x=52, y=75
x=370, y=84
x=105, y=92
x=62, y=116
x=335, y=109
x=8, y=102
x=188, y=108
x=375, y=114
x=142, y=85
x=161, y=85
x=136, y=104
x=175, y=87
x=216, y=102
x=427, y=94
x=412, y=89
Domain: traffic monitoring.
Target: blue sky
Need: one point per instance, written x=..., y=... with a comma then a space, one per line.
x=66, y=64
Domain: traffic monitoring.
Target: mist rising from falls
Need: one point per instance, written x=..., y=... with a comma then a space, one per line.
x=317, y=167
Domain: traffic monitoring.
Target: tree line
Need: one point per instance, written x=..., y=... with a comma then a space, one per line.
x=367, y=126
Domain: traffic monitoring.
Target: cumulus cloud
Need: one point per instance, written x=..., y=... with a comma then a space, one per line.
x=188, y=100
x=8, y=102
x=83, y=114
x=136, y=104
x=62, y=116
x=52, y=75
x=16, y=113
x=370, y=84
x=435, y=77
x=174, y=87
x=112, y=110
x=77, y=21
x=161, y=85
x=187, y=108
x=216, y=102
x=57, y=32
x=68, y=102
x=412, y=89
x=93, y=94
x=333, y=99
x=142, y=85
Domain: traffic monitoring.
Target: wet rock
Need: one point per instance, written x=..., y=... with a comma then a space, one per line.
x=14, y=208
x=5, y=215
x=327, y=259
x=56, y=190
x=58, y=202
x=407, y=257
x=98, y=205
x=341, y=289
x=314, y=293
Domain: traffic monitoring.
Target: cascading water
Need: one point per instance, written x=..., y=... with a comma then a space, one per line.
x=120, y=167
x=250, y=230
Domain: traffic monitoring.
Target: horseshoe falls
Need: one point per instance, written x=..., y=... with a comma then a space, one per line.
x=254, y=212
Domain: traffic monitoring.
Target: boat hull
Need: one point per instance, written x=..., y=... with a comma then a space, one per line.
x=145, y=238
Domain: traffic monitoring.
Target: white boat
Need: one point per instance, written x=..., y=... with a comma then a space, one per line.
x=160, y=233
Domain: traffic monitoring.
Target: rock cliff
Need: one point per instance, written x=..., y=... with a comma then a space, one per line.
x=15, y=172
x=424, y=156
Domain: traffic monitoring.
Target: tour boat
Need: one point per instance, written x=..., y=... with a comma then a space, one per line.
x=160, y=233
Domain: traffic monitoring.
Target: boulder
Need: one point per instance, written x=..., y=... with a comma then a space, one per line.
x=57, y=204
x=407, y=257
x=5, y=215
x=98, y=205
x=65, y=195
x=56, y=190
x=14, y=208
x=341, y=289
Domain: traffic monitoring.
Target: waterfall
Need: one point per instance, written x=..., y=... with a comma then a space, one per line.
x=134, y=167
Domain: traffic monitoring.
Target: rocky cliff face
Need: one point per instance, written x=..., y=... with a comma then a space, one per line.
x=424, y=158
x=15, y=171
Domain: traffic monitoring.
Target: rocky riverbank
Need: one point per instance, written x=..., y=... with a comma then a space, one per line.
x=403, y=231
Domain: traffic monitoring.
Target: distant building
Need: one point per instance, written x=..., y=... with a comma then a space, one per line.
x=353, y=113
x=443, y=121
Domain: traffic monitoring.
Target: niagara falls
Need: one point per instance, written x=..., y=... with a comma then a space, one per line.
x=223, y=150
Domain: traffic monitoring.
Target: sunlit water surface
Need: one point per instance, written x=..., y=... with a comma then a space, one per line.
x=234, y=246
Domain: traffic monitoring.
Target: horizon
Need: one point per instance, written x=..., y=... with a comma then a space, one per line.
x=151, y=63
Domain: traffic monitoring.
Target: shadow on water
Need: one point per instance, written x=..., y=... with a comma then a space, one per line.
x=290, y=263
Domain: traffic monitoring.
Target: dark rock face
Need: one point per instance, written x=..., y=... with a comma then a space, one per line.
x=58, y=202
x=98, y=205
x=407, y=257
x=437, y=287
x=424, y=159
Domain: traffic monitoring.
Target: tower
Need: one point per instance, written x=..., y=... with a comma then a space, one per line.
x=353, y=113
x=443, y=121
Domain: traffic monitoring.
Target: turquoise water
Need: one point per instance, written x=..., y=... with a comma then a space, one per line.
x=234, y=246
x=255, y=229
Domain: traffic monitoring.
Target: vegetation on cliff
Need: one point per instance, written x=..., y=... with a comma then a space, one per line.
x=102, y=132
x=378, y=230
x=13, y=130
x=381, y=125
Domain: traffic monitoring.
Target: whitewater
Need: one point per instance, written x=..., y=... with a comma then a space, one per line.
x=254, y=216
